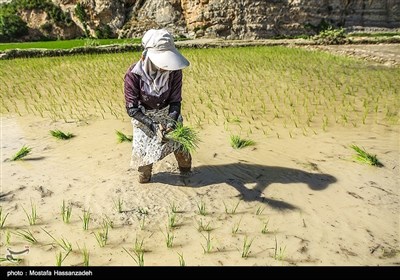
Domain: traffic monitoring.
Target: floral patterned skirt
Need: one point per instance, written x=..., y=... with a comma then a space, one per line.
x=146, y=147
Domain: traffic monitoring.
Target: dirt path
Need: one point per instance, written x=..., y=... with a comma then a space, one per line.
x=387, y=54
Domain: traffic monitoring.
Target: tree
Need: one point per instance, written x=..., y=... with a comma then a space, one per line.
x=12, y=26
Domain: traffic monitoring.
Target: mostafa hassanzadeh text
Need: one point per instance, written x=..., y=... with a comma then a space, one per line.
x=57, y=272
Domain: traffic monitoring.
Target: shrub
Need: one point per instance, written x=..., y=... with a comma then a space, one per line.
x=331, y=36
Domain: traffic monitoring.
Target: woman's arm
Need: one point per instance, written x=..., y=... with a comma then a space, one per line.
x=131, y=92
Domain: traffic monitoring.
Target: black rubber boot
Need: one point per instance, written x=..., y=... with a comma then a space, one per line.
x=145, y=173
x=184, y=161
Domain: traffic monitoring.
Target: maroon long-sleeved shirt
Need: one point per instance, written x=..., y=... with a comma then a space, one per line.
x=135, y=95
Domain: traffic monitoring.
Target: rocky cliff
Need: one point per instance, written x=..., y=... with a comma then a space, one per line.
x=231, y=19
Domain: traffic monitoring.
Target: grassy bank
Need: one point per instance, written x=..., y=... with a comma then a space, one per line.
x=65, y=44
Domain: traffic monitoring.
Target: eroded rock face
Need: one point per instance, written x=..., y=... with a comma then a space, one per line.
x=232, y=19
x=39, y=26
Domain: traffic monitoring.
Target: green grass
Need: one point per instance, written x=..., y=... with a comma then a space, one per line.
x=64, y=44
x=185, y=135
x=365, y=157
x=66, y=212
x=61, y=135
x=32, y=216
x=27, y=235
x=23, y=152
x=238, y=143
x=291, y=87
x=3, y=217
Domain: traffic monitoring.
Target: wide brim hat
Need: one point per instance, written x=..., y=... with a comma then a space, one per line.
x=160, y=48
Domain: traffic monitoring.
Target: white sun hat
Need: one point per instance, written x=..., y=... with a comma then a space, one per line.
x=160, y=48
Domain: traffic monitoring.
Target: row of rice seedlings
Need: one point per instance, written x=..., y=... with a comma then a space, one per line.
x=290, y=83
x=169, y=235
x=293, y=103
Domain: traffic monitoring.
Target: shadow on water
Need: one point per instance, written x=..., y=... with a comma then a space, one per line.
x=238, y=175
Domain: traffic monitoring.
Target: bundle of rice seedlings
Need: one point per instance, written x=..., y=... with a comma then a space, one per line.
x=24, y=151
x=365, y=157
x=122, y=137
x=186, y=136
x=61, y=135
x=238, y=143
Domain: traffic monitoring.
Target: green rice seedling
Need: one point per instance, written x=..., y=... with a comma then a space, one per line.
x=238, y=143
x=235, y=227
x=231, y=210
x=365, y=157
x=61, y=135
x=142, y=221
x=181, y=260
x=208, y=246
x=108, y=221
x=174, y=208
x=60, y=259
x=8, y=237
x=169, y=238
x=201, y=206
x=138, y=258
x=32, y=217
x=27, y=235
x=260, y=210
x=246, y=247
x=66, y=212
x=86, y=256
x=86, y=219
x=171, y=220
x=202, y=226
x=121, y=137
x=142, y=211
x=279, y=253
x=63, y=243
x=23, y=152
x=186, y=136
x=102, y=236
x=265, y=229
x=138, y=245
x=3, y=217
x=118, y=204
